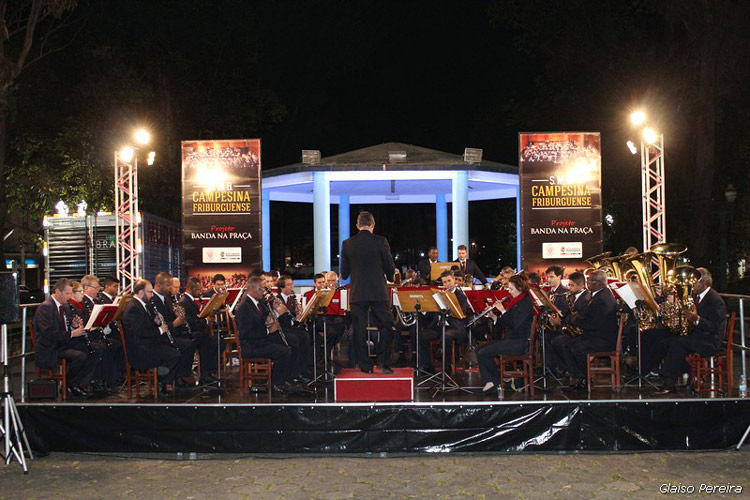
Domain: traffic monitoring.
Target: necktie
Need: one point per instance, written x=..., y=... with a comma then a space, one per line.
x=290, y=303
x=463, y=266
x=61, y=313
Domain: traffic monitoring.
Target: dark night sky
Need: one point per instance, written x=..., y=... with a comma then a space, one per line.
x=338, y=75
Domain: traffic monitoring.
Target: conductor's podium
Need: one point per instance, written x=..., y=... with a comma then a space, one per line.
x=352, y=385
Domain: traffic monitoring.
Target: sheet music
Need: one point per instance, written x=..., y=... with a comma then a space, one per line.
x=441, y=301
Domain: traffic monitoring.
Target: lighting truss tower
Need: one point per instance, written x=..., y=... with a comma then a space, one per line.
x=127, y=220
x=652, y=194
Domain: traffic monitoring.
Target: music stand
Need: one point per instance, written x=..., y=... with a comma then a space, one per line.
x=449, y=305
x=417, y=301
x=124, y=299
x=324, y=300
x=437, y=268
x=638, y=297
x=213, y=306
x=547, y=308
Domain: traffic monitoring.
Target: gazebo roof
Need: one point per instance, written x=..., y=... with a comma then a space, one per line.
x=367, y=176
x=376, y=158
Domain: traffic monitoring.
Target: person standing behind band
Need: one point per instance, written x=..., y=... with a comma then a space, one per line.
x=366, y=257
x=424, y=267
x=468, y=266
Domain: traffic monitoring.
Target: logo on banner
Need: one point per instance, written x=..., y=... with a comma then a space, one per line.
x=222, y=255
x=562, y=250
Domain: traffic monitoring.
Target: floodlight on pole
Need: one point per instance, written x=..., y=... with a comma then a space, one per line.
x=637, y=118
x=151, y=157
x=126, y=154
x=142, y=136
x=632, y=147
x=649, y=135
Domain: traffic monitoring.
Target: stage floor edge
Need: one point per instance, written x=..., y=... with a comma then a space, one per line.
x=418, y=427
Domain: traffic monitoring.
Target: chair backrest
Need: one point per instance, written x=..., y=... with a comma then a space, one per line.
x=729, y=331
x=30, y=328
x=618, y=345
x=532, y=334
x=124, y=345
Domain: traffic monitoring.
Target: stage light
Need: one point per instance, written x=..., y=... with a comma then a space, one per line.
x=631, y=147
x=637, y=118
x=649, y=135
x=609, y=219
x=151, y=158
x=81, y=208
x=142, y=136
x=127, y=154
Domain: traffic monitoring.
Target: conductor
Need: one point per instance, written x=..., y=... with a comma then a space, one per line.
x=367, y=258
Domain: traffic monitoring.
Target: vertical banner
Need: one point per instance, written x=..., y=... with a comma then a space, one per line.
x=221, y=219
x=561, y=206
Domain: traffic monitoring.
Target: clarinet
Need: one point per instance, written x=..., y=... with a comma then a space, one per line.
x=159, y=320
x=76, y=322
x=273, y=301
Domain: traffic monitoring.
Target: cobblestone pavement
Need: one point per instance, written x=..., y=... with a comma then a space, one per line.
x=616, y=476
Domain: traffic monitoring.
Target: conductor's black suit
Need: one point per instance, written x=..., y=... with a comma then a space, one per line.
x=366, y=257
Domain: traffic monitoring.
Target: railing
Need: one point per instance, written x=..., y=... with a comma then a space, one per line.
x=24, y=354
x=742, y=346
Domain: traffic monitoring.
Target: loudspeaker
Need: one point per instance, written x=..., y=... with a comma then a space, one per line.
x=42, y=389
x=9, y=298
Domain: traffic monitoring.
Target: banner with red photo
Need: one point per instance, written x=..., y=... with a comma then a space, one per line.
x=221, y=218
x=561, y=206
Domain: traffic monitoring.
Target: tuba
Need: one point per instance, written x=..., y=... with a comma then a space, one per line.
x=683, y=278
x=667, y=254
x=641, y=267
x=598, y=262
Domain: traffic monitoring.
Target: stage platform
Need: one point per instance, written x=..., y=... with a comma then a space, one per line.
x=204, y=420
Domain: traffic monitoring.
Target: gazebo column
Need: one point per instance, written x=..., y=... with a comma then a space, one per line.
x=321, y=222
x=460, y=206
x=441, y=227
x=518, y=227
x=344, y=222
x=265, y=227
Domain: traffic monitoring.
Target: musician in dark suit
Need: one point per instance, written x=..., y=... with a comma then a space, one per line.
x=557, y=295
x=599, y=325
x=516, y=322
x=424, y=267
x=145, y=342
x=162, y=302
x=366, y=257
x=295, y=332
x=196, y=329
x=468, y=266
x=112, y=365
x=55, y=340
x=455, y=328
x=581, y=298
x=706, y=331
x=258, y=332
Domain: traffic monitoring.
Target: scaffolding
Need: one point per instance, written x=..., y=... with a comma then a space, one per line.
x=652, y=194
x=127, y=220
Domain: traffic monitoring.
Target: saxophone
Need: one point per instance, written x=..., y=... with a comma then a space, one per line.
x=570, y=329
x=179, y=312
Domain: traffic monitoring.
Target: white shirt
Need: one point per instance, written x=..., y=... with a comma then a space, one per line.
x=142, y=303
x=160, y=296
x=593, y=294
x=579, y=294
x=190, y=296
x=703, y=294
x=108, y=296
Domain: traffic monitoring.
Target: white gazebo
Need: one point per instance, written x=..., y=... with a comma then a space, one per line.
x=388, y=173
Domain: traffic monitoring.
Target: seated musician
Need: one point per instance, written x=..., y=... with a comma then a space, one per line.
x=424, y=267
x=110, y=369
x=458, y=279
x=706, y=332
x=319, y=281
x=295, y=333
x=258, y=333
x=455, y=328
x=146, y=342
x=163, y=303
x=516, y=322
x=501, y=280
x=57, y=338
x=557, y=295
x=599, y=325
x=109, y=291
x=580, y=297
x=218, y=285
x=196, y=329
